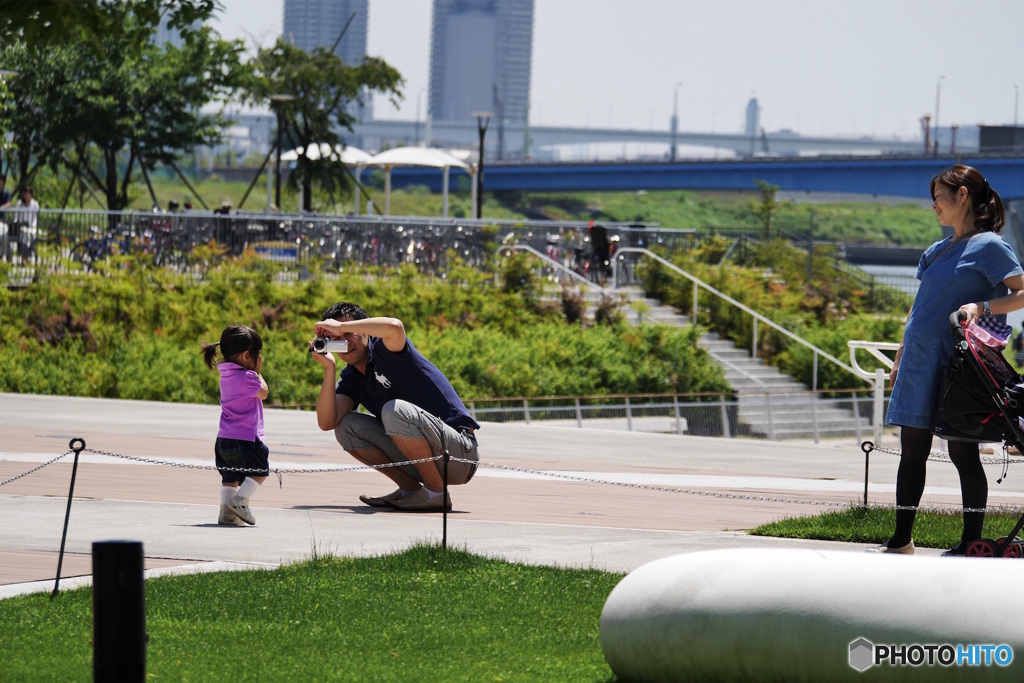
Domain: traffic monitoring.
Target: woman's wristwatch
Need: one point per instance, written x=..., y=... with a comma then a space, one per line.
x=986, y=309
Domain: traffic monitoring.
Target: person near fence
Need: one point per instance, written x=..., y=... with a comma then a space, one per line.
x=974, y=264
x=23, y=227
x=26, y=211
x=600, y=257
x=416, y=415
x=241, y=456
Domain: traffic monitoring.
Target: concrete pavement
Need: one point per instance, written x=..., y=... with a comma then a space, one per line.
x=544, y=495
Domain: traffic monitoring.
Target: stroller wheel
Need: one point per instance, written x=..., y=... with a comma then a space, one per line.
x=983, y=547
x=1013, y=549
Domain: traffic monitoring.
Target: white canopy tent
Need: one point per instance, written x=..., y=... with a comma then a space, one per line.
x=350, y=156
x=416, y=156
x=347, y=155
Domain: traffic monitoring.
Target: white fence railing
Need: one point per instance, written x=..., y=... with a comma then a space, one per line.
x=696, y=415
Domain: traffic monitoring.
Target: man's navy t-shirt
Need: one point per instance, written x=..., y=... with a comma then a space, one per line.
x=406, y=375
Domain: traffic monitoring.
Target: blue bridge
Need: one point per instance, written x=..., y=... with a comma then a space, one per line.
x=880, y=176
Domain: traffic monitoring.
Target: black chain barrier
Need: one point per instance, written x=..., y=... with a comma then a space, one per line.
x=77, y=446
x=867, y=446
x=36, y=469
x=936, y=456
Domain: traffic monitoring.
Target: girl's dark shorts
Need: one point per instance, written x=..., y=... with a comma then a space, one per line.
x=234, y=455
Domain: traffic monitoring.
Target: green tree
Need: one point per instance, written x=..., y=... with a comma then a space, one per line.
x=63, y=22
x=326, y=92
x=768, y=207
x=103, y=108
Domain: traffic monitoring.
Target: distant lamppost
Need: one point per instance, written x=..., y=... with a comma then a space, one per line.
x=483, y=119
x=277, y=103
x=675, y=119
x=938, y=93
x=1015, y=94
x=418, y=96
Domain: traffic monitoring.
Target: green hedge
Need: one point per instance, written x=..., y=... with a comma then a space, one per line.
x=135, y=331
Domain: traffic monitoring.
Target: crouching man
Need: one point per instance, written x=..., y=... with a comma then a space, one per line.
x=416, y=413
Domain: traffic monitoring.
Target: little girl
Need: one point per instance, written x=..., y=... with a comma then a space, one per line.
x=241, y=456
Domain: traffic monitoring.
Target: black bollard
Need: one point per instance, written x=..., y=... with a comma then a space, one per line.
x=118, y=612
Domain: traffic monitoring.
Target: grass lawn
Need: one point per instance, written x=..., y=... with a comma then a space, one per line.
x=425, y=614
x=874, y=525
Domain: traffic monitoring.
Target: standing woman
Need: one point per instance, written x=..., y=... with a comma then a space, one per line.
x=973, y=265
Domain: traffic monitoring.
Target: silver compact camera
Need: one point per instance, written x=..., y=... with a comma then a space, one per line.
x=325, y=345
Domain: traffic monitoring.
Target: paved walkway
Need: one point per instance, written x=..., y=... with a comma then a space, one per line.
x=545, y=495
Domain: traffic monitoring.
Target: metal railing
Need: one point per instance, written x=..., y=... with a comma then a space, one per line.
x=699, y=284
x=559, y=271
x=78, y=240
x=877, y=377
x=712, y=415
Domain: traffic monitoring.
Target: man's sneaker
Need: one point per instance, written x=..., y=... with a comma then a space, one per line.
x=228, y=517
x=422, y=502
x=240, y=506
x=382, y=501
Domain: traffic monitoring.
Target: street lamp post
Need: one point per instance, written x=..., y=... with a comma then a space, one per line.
x=938, y=93
x=483, y=119
x=675, y=119
x=418, y=96
x=1015, y=94
x=277, y=103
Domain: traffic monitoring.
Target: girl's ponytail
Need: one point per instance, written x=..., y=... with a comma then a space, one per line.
x=209, y=352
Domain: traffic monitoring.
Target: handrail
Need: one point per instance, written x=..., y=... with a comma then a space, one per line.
x=553, y=263
x=735, y=368
x=877, y=377
x=698, y=283
x=875, y=349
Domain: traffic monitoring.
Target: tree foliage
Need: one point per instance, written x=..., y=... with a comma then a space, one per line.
x=768, y=207
x=105, y=107
x=325, y=93
x=134, y=332
x=64, y=22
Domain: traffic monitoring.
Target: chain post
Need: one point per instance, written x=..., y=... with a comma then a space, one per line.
x=77, y=445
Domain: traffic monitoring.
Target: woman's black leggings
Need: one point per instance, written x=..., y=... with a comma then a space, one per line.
x=917, y=444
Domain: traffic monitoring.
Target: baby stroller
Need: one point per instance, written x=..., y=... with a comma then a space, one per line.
x=982, y=401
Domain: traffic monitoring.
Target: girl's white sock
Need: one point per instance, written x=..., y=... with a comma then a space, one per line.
x=248, y=488
x=227, y=493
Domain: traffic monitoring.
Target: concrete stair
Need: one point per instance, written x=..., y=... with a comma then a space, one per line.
x=770, y=404
x=774, y=405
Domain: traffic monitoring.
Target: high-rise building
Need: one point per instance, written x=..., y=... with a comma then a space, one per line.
x=165, y=34
x=480, y=56
x=309, y=24
x=752, y=123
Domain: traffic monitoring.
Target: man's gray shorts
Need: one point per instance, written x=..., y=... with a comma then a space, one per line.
x=401, y=418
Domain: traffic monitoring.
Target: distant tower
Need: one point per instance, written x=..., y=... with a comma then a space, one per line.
x=753, y=118
x=753, y=125
x=480, y=55
x=309, y=24
x=165, y=34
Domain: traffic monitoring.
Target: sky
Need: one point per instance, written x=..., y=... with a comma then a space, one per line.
x=817, y=67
